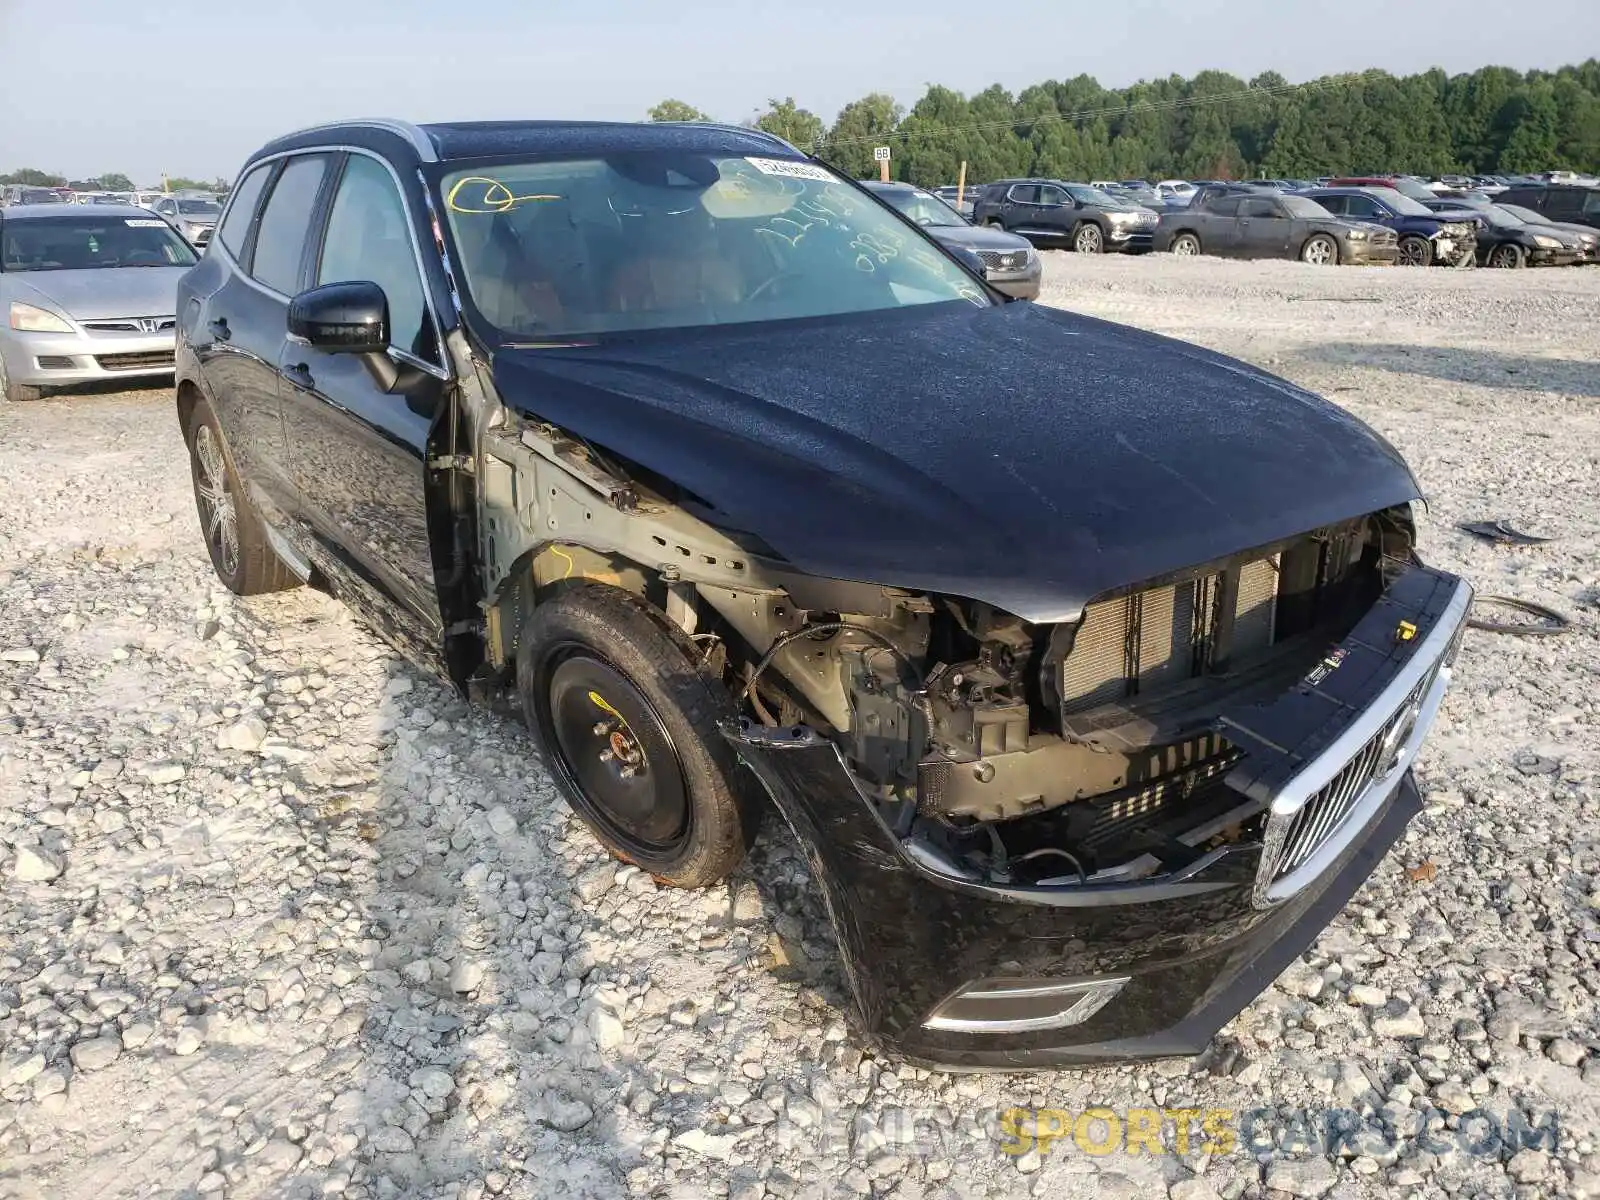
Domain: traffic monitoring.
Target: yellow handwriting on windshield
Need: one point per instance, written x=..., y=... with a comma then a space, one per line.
x=495, y=196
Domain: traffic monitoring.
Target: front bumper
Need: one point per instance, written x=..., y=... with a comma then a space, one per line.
x=1023, y=284
x=1183, y=952
x=1133, y=239
x=1362, y=254
x=62, y=359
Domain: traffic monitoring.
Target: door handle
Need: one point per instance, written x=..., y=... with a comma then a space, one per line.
x=220, y=330
x=300, y=375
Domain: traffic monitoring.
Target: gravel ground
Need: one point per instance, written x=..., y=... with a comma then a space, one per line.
x=281, y=917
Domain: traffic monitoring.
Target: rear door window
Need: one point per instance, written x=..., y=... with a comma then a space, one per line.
x=236, y=225
x=285, y=222
x=1564, y=202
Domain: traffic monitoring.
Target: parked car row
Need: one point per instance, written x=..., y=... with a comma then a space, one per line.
x=1352, y=220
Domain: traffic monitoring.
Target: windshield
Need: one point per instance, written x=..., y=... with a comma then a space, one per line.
x=1410, y=187
x=1407, y=207
x=1299, y=206
x=39, y=196
x=921, y=207
x=81, y=243
x=1524, y=214
x=661, y=239
x=1093, y=195
x=199, y=208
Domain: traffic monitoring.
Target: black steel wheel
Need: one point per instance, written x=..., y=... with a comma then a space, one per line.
x=1415, y=251
x=629, y=724
x=1507, y=256
x=235, y=538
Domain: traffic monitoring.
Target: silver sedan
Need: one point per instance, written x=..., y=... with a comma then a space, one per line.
x=87, y=293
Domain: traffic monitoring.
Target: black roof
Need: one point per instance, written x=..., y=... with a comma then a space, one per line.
x=489, y=139
x=483, y=139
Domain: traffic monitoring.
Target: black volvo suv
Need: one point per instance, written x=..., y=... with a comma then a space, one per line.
x=1089, y=704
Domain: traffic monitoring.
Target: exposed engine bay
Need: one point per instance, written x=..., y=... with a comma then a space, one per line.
x=1006, y=751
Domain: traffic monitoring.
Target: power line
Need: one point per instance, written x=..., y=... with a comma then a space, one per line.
x=1234, y=97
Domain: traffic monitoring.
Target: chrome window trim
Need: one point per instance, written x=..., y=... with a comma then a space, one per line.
x=419, y=140
x=433, y=368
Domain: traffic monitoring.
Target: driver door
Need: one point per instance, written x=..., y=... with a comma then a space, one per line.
x=1264, y=228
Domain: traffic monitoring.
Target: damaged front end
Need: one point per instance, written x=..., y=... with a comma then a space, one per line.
x=1100, y=839
x=1041, y=842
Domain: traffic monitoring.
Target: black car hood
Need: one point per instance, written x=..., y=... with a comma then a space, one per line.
x=1017, y=454
x=978, y=237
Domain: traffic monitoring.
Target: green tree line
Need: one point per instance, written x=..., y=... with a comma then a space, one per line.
x=1214, y=126
x=113, y=182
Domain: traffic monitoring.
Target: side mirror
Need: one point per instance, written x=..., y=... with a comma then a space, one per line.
x=342, y=318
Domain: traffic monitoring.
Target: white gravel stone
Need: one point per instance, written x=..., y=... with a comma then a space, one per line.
x=246, y=735
x=466, y=976
x=34, y=865
x=96, y=1053
x=433, y=1081
x=187, y=1042
x=1301, y=1177
x=1408, y=1024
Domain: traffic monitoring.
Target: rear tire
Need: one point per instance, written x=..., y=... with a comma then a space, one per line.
x=1416, y=251
x=1508, y=256
x=630, y=726
x=235, y=537
x=1320, y=250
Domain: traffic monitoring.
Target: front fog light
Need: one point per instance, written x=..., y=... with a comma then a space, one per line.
x=1023, y=1005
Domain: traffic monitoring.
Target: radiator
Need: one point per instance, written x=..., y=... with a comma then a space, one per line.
x=1154, y=639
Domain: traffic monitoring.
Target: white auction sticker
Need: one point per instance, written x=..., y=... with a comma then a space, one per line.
x=792, y=170
x=144, y=223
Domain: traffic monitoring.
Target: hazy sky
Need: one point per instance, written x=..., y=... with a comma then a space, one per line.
x=88, y=86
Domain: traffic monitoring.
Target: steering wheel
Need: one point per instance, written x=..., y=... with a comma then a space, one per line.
x=142, y=255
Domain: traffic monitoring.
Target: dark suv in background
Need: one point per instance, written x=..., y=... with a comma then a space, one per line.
x=1570, y=203
x=1010, y=263
x=1426, y=237
x=1084, y=218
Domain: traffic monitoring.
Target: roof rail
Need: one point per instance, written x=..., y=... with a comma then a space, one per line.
x=419, y=140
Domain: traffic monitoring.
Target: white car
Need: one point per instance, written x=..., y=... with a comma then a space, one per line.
x=146, y=199
x=1179, y=190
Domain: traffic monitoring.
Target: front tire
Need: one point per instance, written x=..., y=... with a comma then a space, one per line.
x=1320, y=250
x=1088, y=239
x=235, y=537
x=1416, y=251
x=16, y=393
x=1507, y=256
x=1186, y=245
x=629, y=724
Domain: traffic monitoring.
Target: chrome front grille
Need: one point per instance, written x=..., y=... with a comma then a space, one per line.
x=132, y=325
x=1316, y=814
x=1322, y=815
x=1004, y=260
